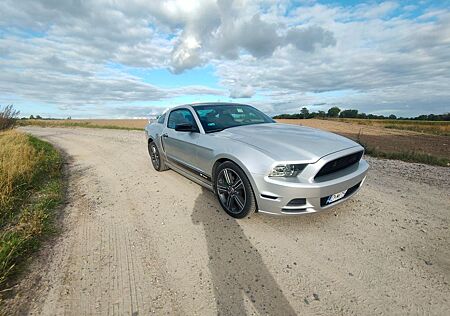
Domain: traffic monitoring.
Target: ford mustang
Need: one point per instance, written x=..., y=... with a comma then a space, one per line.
x=254, y=164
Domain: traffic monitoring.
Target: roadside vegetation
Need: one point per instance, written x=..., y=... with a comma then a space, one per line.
x=427, y=127
x=8, y=117
x=408, y=156
x=30, y=190
x=402, y=154
x=109, y=124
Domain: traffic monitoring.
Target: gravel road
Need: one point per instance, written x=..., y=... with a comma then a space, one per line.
x=134, y=241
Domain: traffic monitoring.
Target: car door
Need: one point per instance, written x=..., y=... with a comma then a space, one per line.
x=180, y=147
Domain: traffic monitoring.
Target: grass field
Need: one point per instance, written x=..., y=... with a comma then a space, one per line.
x=416, y=141
x=427, y=127
x=30, y=189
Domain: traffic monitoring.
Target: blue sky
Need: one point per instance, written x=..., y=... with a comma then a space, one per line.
x=115, y=59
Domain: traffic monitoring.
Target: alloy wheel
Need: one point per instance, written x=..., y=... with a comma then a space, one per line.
x=154, y=155
x=231, y=190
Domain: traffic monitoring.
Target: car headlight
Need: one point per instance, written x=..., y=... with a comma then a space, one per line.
x=287, y=170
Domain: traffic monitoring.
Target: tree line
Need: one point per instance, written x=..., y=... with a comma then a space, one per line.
x=38, y=117
x=336, y=112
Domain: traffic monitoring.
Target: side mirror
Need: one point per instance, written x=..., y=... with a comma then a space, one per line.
x=185, y=127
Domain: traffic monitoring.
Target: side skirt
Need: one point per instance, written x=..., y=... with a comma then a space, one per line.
x=190, y=173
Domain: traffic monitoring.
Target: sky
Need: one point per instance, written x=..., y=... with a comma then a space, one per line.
x=136, y=58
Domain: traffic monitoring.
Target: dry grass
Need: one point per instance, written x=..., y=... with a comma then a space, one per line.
x=128, y=124
x=30, y=188
x=427, y=127
x=18, y=159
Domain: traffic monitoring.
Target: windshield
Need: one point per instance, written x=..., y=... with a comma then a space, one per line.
x=217, y=117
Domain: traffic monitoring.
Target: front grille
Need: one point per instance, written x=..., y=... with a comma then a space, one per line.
x=323, y=201
x=339, y=164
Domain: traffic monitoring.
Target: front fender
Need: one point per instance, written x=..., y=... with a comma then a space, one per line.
x=250, y=160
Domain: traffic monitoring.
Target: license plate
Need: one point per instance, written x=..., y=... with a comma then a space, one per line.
x=335, y=197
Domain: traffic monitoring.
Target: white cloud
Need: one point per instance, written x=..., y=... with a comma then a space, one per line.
x=239, y=91
x=365, y=56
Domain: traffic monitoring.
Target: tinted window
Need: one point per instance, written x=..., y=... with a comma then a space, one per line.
x=217, y=117
x=161, y=118
x=180, y=116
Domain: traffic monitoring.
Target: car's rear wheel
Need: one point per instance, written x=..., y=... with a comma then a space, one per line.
x=157, y=161
x=234, y=191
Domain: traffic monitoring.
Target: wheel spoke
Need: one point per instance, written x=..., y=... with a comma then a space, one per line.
x=238, y=201
x=227, y=176
x=229, y=198
x=237, y=184
x=222, y=188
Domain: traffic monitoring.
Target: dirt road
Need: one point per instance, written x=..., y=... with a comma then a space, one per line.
x=134, y=241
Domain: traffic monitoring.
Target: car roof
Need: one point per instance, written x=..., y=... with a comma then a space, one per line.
x=214, y=103
x=198, y=104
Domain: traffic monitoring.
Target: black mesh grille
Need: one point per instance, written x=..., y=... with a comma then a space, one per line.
x=339, y=164
x=297, y=202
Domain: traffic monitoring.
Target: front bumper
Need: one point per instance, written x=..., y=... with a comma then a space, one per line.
x=273, y=195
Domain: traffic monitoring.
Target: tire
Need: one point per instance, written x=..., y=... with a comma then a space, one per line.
x=234, y=191
x=157, y=161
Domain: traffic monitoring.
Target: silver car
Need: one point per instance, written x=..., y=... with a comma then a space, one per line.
x=253, y=163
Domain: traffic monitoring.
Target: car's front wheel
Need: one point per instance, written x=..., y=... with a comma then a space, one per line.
x=234, y=191
x=157, y=161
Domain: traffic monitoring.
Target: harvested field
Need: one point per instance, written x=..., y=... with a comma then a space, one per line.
x=428, y=127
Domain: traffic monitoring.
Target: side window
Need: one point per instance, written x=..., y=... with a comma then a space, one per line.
x=161, y=118
x=180, y=116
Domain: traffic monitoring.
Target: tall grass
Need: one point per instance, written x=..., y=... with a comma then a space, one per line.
x=30, y=188
x=8, y=117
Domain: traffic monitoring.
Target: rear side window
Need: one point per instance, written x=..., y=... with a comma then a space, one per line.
x=180, y=116
x=161, y=118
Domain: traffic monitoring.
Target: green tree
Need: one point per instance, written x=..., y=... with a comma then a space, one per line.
x=349, y=114
x=334, y=112
x=304, y=112
x=321, y=114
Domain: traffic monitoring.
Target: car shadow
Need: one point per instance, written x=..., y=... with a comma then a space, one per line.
x=238, y=272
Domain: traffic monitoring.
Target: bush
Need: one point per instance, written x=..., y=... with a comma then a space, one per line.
x=8, y=117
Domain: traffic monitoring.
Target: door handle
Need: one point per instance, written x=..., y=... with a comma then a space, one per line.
x=164, y=135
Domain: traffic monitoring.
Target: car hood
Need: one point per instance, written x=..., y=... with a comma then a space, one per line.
x=286, y=142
